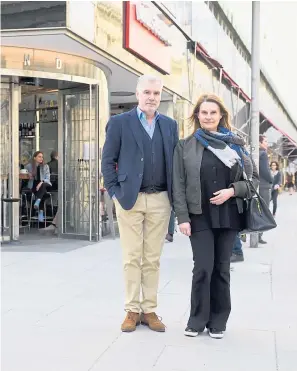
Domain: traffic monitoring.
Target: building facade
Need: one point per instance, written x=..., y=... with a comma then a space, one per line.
x=67, y=66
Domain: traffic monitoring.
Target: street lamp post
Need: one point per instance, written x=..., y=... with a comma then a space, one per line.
x=255, y=85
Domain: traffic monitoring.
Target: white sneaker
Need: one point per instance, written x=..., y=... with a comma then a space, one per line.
x=215, y=334
x=191, y=332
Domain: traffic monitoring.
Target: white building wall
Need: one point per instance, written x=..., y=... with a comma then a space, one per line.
x=278, y=20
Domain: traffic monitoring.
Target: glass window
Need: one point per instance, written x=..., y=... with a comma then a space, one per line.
x=32, y=14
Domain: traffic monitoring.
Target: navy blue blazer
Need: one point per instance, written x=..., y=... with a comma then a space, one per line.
x=123, y=147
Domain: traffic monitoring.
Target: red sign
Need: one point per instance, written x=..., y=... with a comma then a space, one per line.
x=146, y=35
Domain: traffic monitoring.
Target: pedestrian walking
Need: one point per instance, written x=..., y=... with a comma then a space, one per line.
x=208, y=193
x=276, y=184
x=264, y=176
x=137, y=169
x=290, y=183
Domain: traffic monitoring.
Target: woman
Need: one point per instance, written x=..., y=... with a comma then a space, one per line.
x=208, y=193
x=39, y=174
x=277, y=179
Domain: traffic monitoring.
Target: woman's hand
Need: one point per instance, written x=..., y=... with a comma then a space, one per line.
x=185, y=229
x=222, y=196
x=38, y=186
x=30, y=176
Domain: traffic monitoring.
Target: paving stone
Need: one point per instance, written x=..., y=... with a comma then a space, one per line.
x=62, y=307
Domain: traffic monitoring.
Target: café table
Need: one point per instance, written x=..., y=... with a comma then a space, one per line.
x=23, y=176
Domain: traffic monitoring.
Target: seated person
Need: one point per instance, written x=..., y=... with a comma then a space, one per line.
x=53, y=166
x=39, y=175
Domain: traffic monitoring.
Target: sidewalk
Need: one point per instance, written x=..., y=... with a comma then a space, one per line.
x=62, y=309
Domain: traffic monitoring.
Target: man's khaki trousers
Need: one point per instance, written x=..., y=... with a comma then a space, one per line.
x=142, y=232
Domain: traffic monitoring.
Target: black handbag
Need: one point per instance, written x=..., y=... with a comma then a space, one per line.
x=257, y=216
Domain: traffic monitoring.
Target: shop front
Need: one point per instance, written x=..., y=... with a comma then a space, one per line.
x=59, y=104
x=55, y=100
x=61, y=84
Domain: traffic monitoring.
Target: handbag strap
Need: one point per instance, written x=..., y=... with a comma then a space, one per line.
x=250, y=185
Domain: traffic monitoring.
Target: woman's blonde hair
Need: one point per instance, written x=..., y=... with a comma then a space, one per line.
x=225, y=120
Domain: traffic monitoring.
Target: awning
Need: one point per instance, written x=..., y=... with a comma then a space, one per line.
x=224, y=76
x=291, y=140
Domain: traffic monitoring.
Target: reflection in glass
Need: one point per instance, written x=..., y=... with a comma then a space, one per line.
x=5, y=152
x=80, y=153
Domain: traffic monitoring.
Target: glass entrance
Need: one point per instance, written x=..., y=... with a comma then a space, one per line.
x=68, y=125
x=5, y=171
x=9, y=186
x=79, y=174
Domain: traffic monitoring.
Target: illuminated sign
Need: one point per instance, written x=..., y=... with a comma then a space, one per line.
x=146, y=34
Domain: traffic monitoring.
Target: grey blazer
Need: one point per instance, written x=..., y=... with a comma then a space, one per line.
x=186, y=180
x=44, y=174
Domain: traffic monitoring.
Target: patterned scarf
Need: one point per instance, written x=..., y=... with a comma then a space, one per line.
x=228, y=147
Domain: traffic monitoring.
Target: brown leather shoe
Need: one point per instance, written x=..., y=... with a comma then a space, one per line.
x=152, y=321
x=131, y=321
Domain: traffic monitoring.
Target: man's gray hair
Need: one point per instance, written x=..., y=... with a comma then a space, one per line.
x=148, y=78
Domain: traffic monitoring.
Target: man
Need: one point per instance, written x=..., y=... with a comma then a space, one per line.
x=137, y=168
x=264, y=175
x=53, y=166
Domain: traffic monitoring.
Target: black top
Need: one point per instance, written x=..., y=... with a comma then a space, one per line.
x=277, y=179
x=53, y=166
x=154, y=172
x=215, y=176
x=38, y=174
x=289, y=178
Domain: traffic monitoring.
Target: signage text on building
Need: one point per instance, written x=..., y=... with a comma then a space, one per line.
x=147, y=15
x=27, y=62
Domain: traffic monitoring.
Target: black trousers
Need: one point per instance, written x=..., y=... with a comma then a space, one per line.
x=274, y=195
x=265, y=193
x=210, y=297
x=41, y=192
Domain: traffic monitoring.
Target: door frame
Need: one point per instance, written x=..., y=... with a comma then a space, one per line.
x=12, y=210
x=14, y=74
x=93, y=89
